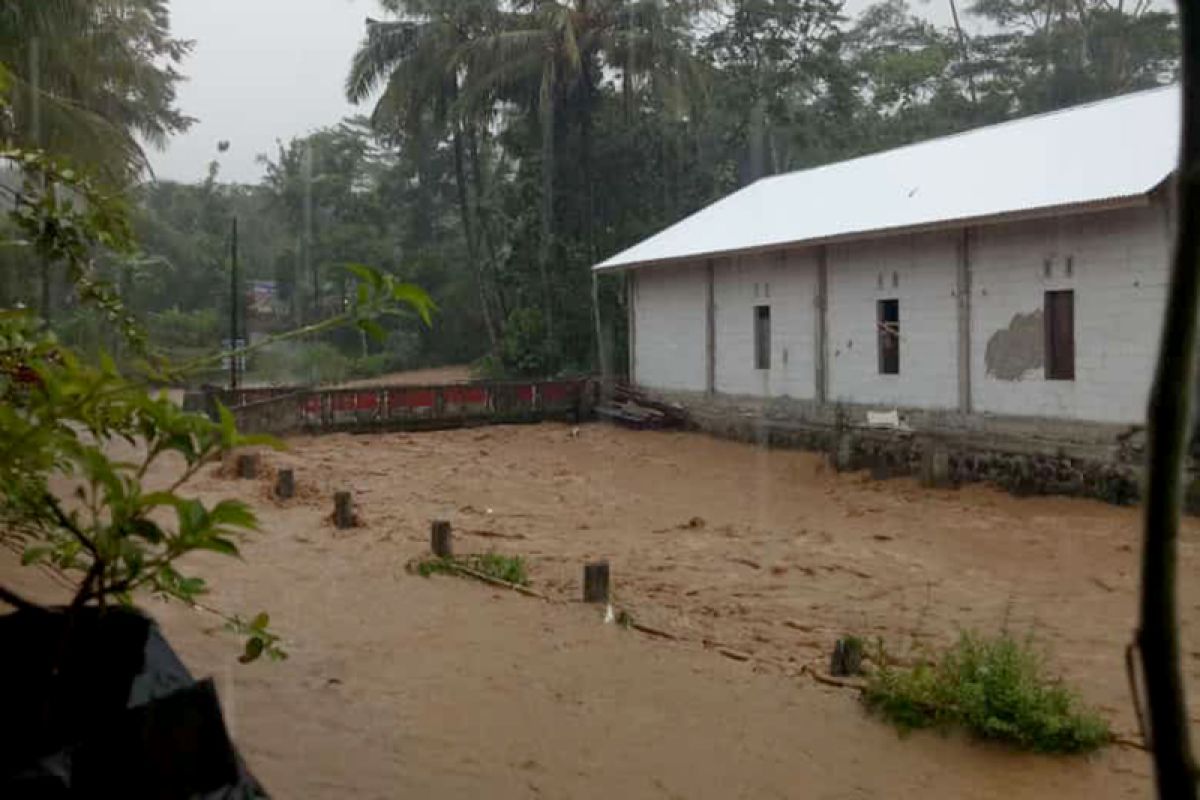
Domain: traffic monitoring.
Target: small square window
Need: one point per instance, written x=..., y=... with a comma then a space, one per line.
x=887, y=318
x=762, y=337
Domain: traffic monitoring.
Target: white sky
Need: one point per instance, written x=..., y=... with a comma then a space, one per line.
x=264, y=70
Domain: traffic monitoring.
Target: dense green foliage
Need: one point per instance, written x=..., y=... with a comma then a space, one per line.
x=91, y=80
x=68, y=496
x=78, y=438
x=995, y=688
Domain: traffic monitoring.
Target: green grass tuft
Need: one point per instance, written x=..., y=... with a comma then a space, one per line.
x=996, y=688
x=510, y=569
x=434, y=566
x=507, y=568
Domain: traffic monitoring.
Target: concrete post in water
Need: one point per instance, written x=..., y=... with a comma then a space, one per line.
x=843, y=453
x=935, y=464
x=595, y=582
x=881, y=468
x=247, y=465
x=440, y=539
x=343, y=510
x=847, y=657
x=285, y=484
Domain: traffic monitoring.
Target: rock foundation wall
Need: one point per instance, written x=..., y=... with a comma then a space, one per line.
x=1025, y=456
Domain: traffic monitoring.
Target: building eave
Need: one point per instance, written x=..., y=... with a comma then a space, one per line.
x=1093, y=206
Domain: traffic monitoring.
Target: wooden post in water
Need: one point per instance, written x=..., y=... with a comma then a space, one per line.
x=285, y=484
x=440, y=539
x=595, y=582
x=343, y=510
x=247, y=465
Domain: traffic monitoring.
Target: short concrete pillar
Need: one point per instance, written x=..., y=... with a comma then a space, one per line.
x=285, y=484
x=440, y=539
x=881, y=466
x=343, y=510
x=935, y=465
x=595, y=582
x=847, y=657
x=843, y=453
x=247, y=465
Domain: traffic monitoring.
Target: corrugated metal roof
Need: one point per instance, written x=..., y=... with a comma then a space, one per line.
x=1114, y=149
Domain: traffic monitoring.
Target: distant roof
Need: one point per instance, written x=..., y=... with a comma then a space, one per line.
x=1104, y=152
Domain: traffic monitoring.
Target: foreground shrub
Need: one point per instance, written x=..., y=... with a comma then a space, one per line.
x=996, y=688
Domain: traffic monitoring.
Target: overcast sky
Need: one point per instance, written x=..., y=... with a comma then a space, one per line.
x=261, y=70
x=273, y=69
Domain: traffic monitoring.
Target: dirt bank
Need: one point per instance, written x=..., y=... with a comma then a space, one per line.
x=403, y=686
x=434, y=376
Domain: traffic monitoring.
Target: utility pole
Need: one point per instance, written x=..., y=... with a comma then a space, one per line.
x=306, y=166
x=233, y=307
x=35, y=137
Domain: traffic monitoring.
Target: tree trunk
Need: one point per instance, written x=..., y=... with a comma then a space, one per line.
x=589, y=223
x=966, y=56
x=486, y=233
x=547, y=115
x=310, y=263
x=297, y=282
x=464, y=211
x=1168, y=424
x=758, y=125
x=46, y=302
x=47, y=273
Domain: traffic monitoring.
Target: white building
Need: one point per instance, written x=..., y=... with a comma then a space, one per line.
x=1016, y=272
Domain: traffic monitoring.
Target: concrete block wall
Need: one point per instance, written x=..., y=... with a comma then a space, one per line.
x=671, y=327
x=787, y=283
x=1116, y=263
x=1118, y=271
x=920, y=271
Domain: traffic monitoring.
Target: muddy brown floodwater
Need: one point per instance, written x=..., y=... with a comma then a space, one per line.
x=401, y=686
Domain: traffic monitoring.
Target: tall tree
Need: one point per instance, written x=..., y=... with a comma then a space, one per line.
x=1047, y=54
x=550, y=57
x=418, y=60
x=323, y=188
x=777, y=62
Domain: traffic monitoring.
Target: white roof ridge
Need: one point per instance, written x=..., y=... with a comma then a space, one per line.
x=991, y=126
x=1115, y=149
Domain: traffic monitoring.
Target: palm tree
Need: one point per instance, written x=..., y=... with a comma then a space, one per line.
x=92, y=80
x=551, y=55
x=449, y=64
x=418, y=61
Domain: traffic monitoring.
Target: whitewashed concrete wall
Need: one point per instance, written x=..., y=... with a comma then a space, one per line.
x=1118, y=271
x=787, y=283
x=920, y=272
x=670, y=327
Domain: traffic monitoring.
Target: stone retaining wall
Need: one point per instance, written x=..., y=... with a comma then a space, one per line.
x=1023, y=455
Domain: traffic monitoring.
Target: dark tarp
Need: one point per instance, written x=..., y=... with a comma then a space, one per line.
x=107, y=709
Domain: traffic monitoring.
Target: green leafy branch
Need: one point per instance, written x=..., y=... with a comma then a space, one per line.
x=70, y=503
x=259, y=639
x=65, y=217
x=377, y=295
x=62, y=420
